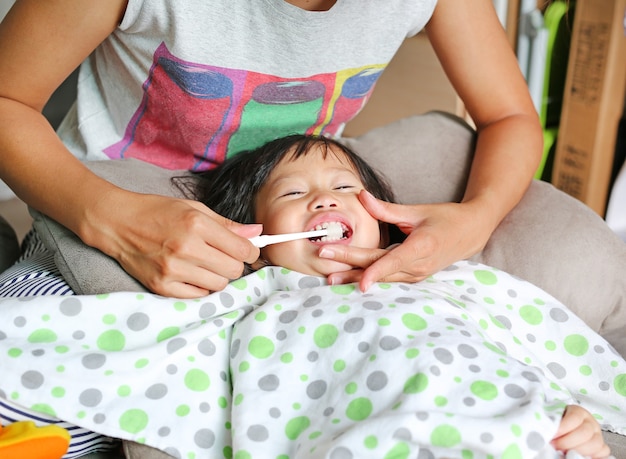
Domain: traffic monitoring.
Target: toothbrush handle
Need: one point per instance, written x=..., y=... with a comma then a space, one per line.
x=267, y=239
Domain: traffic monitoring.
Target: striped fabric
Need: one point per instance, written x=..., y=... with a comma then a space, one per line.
x=36, y=274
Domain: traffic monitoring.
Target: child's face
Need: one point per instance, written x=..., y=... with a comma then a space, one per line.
x=303, y=194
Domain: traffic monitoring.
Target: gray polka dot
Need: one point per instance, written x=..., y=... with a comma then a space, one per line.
x=425, y=454
x=512, y=293
x=435, y=371
x=444, y=356
x=172, y=369
x=434, y=334
x=535, y=441
x=389, y=343
x=207, y=310
x=466, y=333
x=318, y=313
x=604, y=386
x=204, y=407
x=204, y=438
x=471, y=291
x=377, y=381
x=281, y=335
x=269, y=383
x=275, y=413
x=257, y=292
x=405, y=300
x=309, y=282
x=505, y=322
x=373, y=305
x=422, y=415
x=206, y=347
x=99, y=418
x=474, y=368
x=94, y=361
x=218, y=323
x=3, y=335
x=354, y=325
x=164, y=431
x=78, y=335
x=38, y=353
x=363, y=346
x=312, y=301
x=514, y=391
x=455, y=321
x=138, y=321
x=403, y=434
x=227, y=299
x=234, y=348
x=287, y=317
x=341, y=453
x=530, y=376
x=486, y=437
x=557, y=370
x=599, y=349
x=32, y=379
x=19, y=322
x=531, y=338
x=404, y=287
x=258, y=433
x=328, y=411
x=313, y=356
x=173, y=452
x=559, y=315
x=316, y=389
x=156, y=391
x=71, y=307
x=175, y=344
x=469, y=401
x=467, y=351
x=90, y=398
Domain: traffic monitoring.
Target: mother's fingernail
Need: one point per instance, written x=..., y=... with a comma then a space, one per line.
x=327, y=253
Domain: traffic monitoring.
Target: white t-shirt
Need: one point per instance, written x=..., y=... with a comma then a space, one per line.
x=184, y=84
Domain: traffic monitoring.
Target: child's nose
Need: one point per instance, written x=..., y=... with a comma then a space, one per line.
x=323, y=200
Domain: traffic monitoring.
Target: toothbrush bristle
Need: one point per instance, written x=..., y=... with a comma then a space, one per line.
x=335, y=231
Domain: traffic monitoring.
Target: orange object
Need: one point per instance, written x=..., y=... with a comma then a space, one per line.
x=24, y=439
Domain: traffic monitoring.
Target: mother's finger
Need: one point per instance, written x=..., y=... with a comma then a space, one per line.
x=354, y=256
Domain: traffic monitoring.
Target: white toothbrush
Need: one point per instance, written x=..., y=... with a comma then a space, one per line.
x=334, y=231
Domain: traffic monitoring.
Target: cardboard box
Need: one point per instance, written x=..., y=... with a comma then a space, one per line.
x=592, y=103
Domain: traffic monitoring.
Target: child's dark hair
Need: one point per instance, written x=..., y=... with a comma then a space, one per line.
x=231, y=188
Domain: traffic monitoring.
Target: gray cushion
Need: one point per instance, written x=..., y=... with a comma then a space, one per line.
x=549, y=239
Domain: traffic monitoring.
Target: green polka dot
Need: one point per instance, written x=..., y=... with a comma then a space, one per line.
x=222, y=402
x=494, y=348
x=197, y=380
x=399, y=451
x=182, y=410
x=517, y=430
x=416, y=384
x=485, y=277
x=43, y=335
x=142, y=363
x=167, y=333
x=315, y=435
x=512, y=452
x=58, y=392
x=359, y=409
x=134, y=421
x=287, y=357
x=244, y=366
x=112, y=341
x=531, y=314
x=241, y=283
x=585, y=370
x=339, y=365
x=343, y=309
x=261, y=347
x=43, y=408
x=260, y=316
x=414, y=322
x=124, y=391
x=351, y=388
x=502, y=373
x=261, y=274
x=296, y=426
x=576, y=345
x=441, y=401
x=238, y=400
x=412, y=353
x=384, y=322
x=550, y=345
x=62, y=349
x=102, y=296
x=483, y=324
x=180, y=306
x=325, y=335
x=109, y=319
x=14, y=352
x=345, y=289
x=445, y=436
x=242, y=454
x=484, y=390
x=384, y=286
x=370, y=442
x=620, y=384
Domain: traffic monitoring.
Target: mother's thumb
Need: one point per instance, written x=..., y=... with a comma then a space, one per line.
x=382, y=210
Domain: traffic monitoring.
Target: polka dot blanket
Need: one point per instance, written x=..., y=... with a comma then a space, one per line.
x=471, y=363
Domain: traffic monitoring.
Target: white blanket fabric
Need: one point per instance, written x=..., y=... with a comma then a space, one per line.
x=469, y=363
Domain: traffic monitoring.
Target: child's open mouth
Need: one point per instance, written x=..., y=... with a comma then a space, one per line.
x=337, y=231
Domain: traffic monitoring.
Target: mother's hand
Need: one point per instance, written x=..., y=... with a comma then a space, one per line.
x=177, y=247
x=437, y=236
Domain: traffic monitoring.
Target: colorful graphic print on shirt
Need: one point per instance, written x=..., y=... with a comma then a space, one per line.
x=193, y=116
